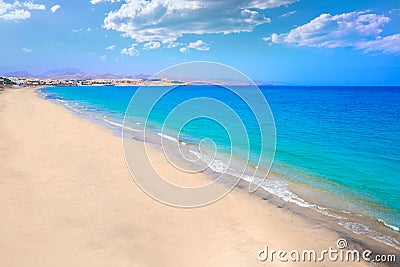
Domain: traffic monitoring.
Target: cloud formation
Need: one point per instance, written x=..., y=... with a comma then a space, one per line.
x=30, y=5
x=111, y=47
x=360, y=30
x=287, y=14
x=55, y=8
x=388, y=45
x=18, y=10
x=264, y=4
x=26, y=50
x=131, y=51
x=198, y=45
x=94, y=2
x=18, y=14
x=151, y=45
x=167, y=20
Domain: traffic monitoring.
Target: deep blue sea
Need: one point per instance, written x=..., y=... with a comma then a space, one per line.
x=337, y=148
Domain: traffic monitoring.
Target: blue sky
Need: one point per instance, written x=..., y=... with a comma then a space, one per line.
x=307, y=42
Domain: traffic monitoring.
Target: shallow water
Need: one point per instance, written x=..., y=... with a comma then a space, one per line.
x=337, y=147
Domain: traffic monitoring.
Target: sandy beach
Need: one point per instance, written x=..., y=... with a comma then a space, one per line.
x=67, y=199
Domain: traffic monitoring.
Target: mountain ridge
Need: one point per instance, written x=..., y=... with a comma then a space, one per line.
x=68, y=73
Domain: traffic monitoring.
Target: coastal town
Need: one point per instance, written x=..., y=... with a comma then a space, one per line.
x=22, y=82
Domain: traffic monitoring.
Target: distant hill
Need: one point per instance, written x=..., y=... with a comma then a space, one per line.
x=66, y=73
x=85, y=76
x=19, y=74
x=141, y=76
x=60, y=73
x=76, y=74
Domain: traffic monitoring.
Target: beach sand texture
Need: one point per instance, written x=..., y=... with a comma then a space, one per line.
x=67, y=199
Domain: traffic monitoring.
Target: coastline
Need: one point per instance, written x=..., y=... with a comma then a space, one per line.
x=73, y=201
x=280, y=182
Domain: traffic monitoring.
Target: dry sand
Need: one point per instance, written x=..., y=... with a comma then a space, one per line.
x=67, y=199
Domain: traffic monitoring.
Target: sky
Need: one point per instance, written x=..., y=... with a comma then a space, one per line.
x=301, y=42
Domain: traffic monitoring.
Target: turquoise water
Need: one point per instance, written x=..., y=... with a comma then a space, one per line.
x=342, y=142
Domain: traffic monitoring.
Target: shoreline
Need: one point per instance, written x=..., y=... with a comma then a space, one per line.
x=360, y=225
x=63, y=191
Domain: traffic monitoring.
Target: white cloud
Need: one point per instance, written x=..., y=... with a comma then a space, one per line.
x=16, y=15
x=4, y=7
x=131, y=51
x=199, y=45
x=111, y=47
x=26, y=50
x=151, y=45
x=287, y=14
x=18, y=10
x=334, y=31
x=76, y=30
x=94, y=2
x=172, y=44
x=103, y=58
x=264, y=4
x=55, y=8
x=31, y=5
x=388, y=45
x=167, y=20
x=355, y=29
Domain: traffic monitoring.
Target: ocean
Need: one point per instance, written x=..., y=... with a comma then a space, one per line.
x=337, y=148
